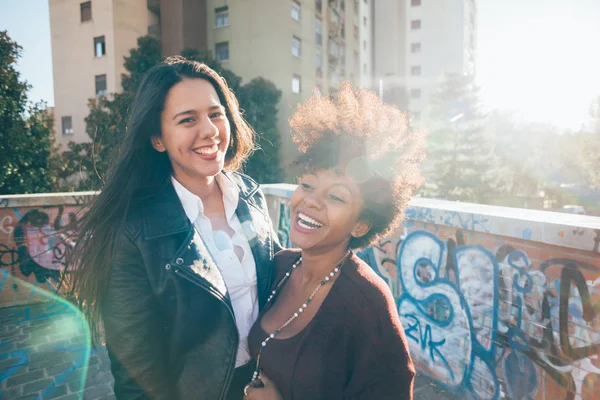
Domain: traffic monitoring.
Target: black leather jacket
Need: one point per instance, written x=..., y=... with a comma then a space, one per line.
x=169, y=324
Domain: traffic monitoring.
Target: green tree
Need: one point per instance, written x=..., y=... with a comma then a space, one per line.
x=461, y=164
x=26, y=139
x=259, y=98
x=591, y=149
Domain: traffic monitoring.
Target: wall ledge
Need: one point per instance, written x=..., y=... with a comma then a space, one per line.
x=581, y=232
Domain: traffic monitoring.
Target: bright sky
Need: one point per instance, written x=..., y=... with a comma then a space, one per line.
x=537, y=57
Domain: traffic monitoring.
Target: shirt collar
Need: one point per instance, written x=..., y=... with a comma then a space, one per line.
x=193, y=206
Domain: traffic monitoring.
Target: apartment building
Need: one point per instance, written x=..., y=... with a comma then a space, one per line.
x=89, y=40
x=299, y=45
x=417, y=41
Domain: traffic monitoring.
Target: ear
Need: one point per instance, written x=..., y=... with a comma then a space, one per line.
x=360, y=229
x=157, y=144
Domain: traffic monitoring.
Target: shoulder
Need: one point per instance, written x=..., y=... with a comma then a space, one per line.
x=367, y=286
x=246, y=185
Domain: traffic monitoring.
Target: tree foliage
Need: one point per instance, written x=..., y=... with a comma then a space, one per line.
x=461, y=164
x=26, y=141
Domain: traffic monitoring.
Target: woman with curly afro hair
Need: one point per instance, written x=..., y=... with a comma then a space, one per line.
x=330, y=329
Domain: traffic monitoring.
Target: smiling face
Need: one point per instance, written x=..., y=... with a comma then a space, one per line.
x=195, y=131
x=325, y=210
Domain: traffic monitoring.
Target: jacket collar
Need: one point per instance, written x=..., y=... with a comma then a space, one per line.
x=163, y=213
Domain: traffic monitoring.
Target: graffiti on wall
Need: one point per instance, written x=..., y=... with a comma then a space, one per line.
x=34, y=246
x=491, y=323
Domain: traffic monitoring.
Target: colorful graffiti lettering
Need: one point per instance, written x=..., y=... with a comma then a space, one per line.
x=486, y=324
x=34, y=246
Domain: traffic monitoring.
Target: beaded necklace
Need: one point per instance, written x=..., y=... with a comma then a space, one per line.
x=300, y=310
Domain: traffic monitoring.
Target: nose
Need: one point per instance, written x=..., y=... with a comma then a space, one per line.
x=313, y=200
x=207, y=129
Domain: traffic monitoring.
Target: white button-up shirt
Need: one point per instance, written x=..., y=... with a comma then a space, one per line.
x=240, y=277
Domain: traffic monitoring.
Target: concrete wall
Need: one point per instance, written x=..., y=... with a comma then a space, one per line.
x=495, y=302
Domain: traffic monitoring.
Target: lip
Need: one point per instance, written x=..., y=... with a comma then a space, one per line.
x=207, y=156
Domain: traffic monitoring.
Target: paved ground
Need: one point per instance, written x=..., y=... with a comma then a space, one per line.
x=43, y=355
x=425, y=389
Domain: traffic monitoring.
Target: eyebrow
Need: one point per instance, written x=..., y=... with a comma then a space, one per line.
x=190, y=112
x=344, y=186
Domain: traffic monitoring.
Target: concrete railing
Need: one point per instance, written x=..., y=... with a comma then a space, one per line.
x=496, y=302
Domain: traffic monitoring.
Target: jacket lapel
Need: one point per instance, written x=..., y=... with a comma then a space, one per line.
x=164, y=216
x=258, y=232
x=195, y=258
x=257, y=227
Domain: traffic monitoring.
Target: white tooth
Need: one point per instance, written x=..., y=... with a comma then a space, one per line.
x=303, y=225
x=308, y=219
x=207, y=150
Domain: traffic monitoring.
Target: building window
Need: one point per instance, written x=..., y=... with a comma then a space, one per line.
x=415, y=3
x=99, y=46
x=415, y=71
x=415, y=24
x=101, y=85
x=86, y=11
x=318, y=6
x=343, y=5
x=296, y=83
x=67, y=126
x=334, y=17
x=415, y=93
x=296, y=10
x=364, y=68
x=415, y=47
x=318, y=32
x=334, y=48
x=356, y=31
x=221, y=17
x=319, y=59
x=365, y=21
x=364, y=44
x=296, y=47
x=222, y=51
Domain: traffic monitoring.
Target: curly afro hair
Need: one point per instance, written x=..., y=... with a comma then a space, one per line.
x=356, y=134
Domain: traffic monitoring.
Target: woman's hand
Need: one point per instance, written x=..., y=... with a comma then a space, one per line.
x=268, y=392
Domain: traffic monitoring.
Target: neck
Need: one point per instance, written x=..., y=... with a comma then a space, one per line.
x=317, y=264
x=205, y=188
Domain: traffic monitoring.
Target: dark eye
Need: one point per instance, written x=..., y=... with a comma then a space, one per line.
x=217, y=114
x=336, y=198
x=306, y=186
x=186, y=120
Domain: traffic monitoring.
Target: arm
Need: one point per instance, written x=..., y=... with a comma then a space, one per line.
x=132, y=326
x=383, y=368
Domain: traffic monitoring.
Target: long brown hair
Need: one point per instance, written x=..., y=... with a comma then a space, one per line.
x=138, y=172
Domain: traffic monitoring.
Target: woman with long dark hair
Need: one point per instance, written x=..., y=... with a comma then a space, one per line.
x=173, y=255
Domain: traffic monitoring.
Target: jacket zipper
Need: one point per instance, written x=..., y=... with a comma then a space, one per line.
x=187, y=276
